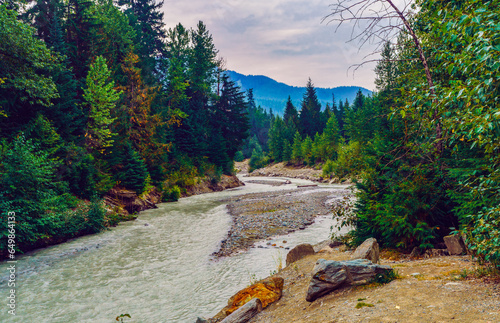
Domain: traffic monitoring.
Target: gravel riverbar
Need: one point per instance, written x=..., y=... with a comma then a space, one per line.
x=259, y=216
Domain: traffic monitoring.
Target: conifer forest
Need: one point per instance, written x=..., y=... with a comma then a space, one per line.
x=96, y=94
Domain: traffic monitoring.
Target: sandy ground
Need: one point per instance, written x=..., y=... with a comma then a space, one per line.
x=281, y=170
x=428, y=290
x=438, y=289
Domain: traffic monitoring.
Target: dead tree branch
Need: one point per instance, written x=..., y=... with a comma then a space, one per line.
x=378, y=22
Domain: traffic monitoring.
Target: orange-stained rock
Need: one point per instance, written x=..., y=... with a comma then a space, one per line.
x=268, y=291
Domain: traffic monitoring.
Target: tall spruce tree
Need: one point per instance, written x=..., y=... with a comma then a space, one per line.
x=310, y=113
x=146, y=17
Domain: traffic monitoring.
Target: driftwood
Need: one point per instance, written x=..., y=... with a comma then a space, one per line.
x=245, y=313
x=310, y=185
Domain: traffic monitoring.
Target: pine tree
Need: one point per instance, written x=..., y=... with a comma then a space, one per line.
x=297, y=148
x=141, y=124
x=276, y=139
x=291, y=114
x=331, y=138
x=101, y=98
x=146, y=17
x=310, y=113
x=66, y=113
x=230, y=116
x=307, y=151
x=80, y=27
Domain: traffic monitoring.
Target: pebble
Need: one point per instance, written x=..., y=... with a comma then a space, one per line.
x=260, y=216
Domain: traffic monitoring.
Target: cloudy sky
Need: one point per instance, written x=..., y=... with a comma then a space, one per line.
x=282, y=39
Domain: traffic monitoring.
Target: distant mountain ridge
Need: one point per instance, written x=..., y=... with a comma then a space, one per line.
x=270, y=94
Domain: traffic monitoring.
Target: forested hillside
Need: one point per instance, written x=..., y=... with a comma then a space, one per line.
x=424, y=148
x=270, y=94
x=96, y=95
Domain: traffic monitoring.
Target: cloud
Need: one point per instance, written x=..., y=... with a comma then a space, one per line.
x=282, y=39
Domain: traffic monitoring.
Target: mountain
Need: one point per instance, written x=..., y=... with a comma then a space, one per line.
x=271, y=94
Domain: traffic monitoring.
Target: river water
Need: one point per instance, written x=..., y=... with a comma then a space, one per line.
x=157, y=268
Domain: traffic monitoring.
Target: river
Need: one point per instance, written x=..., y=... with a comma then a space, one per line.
x=157, y=268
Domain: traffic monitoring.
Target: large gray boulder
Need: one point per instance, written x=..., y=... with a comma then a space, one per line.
x=367, y=250
x=299, y=252
x=455, y=245
x=329, y=275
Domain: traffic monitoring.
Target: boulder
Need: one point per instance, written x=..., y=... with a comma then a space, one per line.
x=455, y=245
x=367, y=250
x=245, y=313
x=329, y=275
x=268, y=291
x=299, y=252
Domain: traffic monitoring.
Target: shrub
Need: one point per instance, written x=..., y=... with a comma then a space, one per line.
x=351, y=162
x=238, y=157
x=171, y=194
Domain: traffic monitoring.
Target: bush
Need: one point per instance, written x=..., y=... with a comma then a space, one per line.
x=238, y=157
x=351, y=162
x=171, y=194
x=95, y=217
x=258, y=160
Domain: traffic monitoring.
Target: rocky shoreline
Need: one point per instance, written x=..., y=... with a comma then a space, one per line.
x=260, y=216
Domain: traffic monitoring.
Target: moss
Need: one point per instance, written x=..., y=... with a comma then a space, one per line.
x=363, y=304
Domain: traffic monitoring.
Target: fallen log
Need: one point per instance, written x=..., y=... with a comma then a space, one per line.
x=245, y=313
x=310, y=185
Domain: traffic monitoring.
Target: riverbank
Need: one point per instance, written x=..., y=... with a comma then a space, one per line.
x=437, y=289
x=123, y=205
x=314, y=174
x=259, y=216
x=126, y=203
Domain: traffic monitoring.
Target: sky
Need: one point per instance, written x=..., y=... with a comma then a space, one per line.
x=285, y=40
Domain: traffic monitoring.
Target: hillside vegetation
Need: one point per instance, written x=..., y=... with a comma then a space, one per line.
x=96, y=95
x=426, y=158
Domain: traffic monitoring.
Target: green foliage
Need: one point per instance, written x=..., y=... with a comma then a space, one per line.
x=101, y=98
x=258, y=159
x=95, y=217
x=351, y=162
x=134, y=174
x=386, y=277
x=171, y=194
x=297, y=148
x=310, y=121
x=239, y=157
x=25, y=62
x=363, y=304
x=307, y=151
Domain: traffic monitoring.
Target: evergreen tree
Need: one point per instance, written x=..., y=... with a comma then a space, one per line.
x=307, y=151
x=80, y=27
x=230, y=116
x=331, y=138
x=25, y=82
x=146, y=17
x=276, y=139
x=291, y=114
x=140, y=124
x=310, y=113
x=66, y=112
x=101, y=98
x=134, y=174
x=297, y=148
